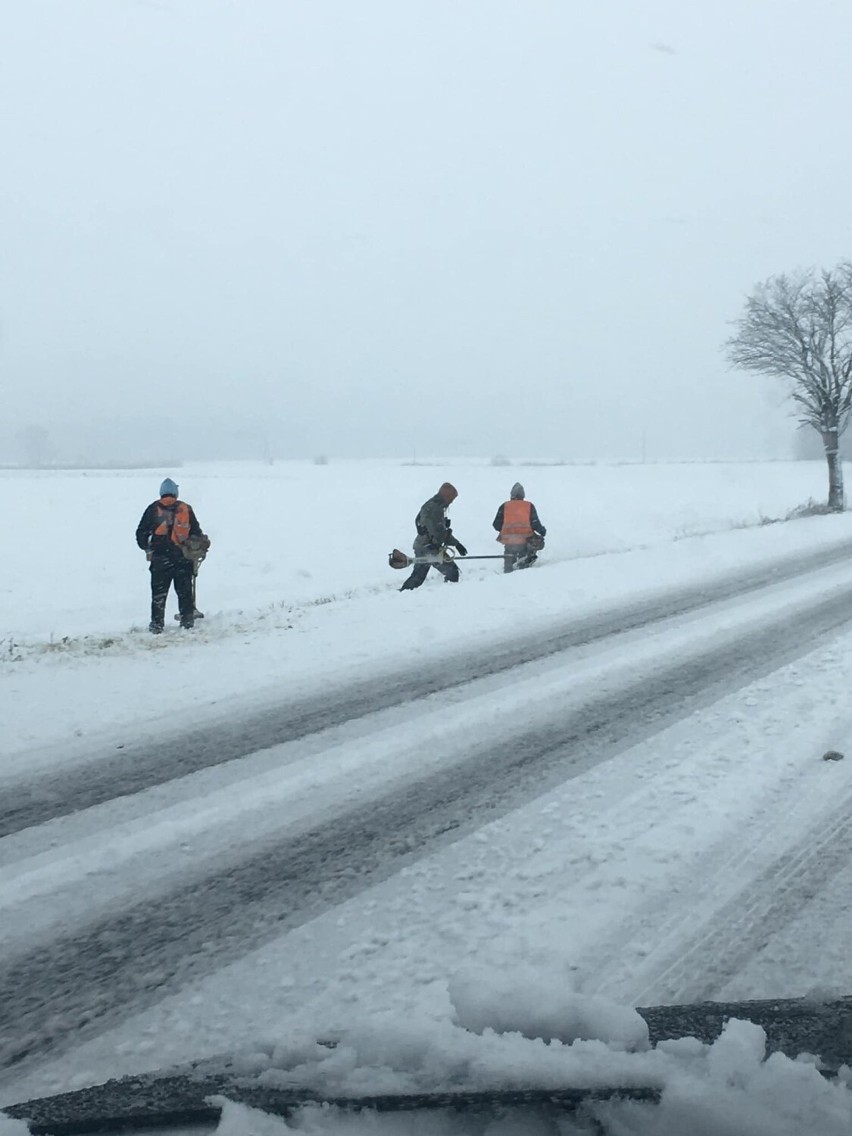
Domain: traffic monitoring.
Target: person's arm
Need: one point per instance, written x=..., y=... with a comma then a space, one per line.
x=454, y=542
x=194, y=526
x=497, y=523
x=535, y=523
x=144, y=530
x=433, y=520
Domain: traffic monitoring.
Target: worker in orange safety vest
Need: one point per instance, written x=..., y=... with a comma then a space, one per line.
x=519, y=530
x=165, y=527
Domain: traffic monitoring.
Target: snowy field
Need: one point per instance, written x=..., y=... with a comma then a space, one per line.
x=297, y=591
x=704, y=858
x=293, y=534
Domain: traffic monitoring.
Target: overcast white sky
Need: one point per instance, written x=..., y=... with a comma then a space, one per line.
x=383, y=227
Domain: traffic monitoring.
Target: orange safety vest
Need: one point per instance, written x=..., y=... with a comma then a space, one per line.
x=179, y=527
x=516, y=523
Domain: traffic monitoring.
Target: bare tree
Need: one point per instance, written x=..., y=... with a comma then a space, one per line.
x=799, y=328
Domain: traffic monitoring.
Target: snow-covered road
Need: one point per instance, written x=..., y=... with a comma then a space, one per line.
x=96, y=777
x=214, y=851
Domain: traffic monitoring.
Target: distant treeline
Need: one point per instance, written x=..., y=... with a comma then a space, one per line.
x=166, y=463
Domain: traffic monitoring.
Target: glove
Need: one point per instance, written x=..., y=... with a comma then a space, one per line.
x=462, y=551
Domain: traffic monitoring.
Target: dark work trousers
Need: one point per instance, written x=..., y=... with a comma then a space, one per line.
x=517, y=556
x=419, y=572
x=165, y=571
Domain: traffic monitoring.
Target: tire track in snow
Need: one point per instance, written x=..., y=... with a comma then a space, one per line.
x=59, y=993
x=709, y=957
x=141, y=766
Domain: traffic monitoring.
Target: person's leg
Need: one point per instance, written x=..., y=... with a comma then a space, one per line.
x=161, y=577
x=526, y=557
x=183, y=588
x=450, y=571
x=418, y=574
x=511, y=552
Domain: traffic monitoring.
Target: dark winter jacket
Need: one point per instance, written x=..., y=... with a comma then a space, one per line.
x=433, y=526
x=161, y=544
x=535, y=523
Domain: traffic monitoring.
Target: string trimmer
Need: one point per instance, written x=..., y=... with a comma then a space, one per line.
x=195, y=548
x=397, y=559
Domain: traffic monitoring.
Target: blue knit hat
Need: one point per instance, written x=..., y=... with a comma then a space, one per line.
x=168, y=488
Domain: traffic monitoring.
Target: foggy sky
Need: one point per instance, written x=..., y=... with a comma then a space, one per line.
x=399, y=227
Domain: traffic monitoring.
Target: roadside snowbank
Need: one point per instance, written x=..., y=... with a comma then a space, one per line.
x=729, y=1088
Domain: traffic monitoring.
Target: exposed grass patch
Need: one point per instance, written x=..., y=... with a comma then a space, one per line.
x=810, y=508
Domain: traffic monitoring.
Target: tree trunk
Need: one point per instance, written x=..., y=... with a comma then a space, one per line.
x=836, y=496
